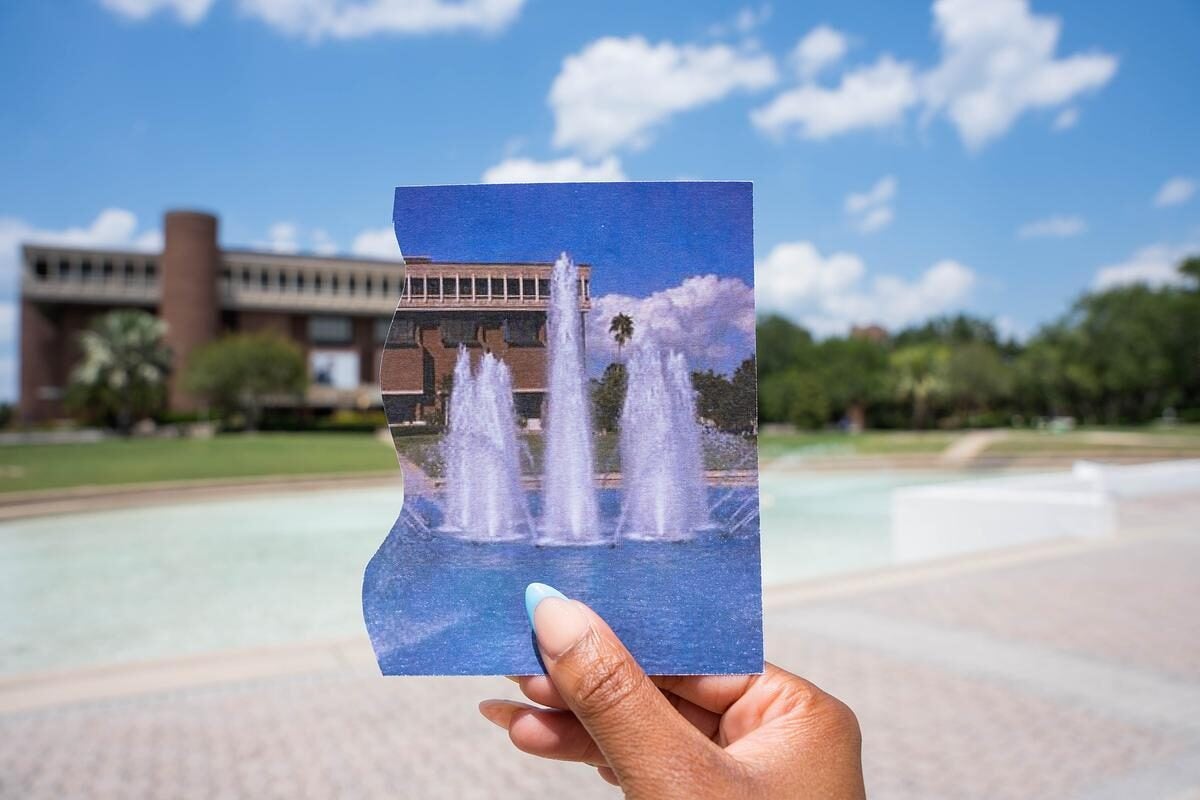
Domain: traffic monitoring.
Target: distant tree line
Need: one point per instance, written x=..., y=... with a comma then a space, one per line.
x=1124, y=355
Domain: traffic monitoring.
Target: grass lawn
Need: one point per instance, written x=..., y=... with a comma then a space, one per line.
x=773, y=445
x=27, y=467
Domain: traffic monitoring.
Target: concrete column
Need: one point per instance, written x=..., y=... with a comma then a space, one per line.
x=190, y=268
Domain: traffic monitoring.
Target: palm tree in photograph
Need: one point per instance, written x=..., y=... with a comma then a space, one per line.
x=621, y=329
x=123, y=373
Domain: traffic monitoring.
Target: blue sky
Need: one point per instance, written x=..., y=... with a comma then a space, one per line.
x=908, y=158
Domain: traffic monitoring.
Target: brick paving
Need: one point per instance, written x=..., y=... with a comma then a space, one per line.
x=1073, y=674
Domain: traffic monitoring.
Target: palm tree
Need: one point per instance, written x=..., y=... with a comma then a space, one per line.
x=621, y=328
x=920, y=376
x=124, y=369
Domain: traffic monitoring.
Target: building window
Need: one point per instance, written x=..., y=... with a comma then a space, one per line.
x=317, y=283
x=85, y=269
x=459, y=331
x=400, y=332
x=264, y=280
x=497, y=287
x=417, y=287
x=544, y=288
x=350, y=285
x=246, y=278
x=106, y=269
x=330, y=330
x=129, y=271
x=64, y=269
x=333, y=284
x=41, y=268
x=522, y=330
x=299, y=281
x=367, y=285
x=151, y=271
x=514, y=287
x=282, y=280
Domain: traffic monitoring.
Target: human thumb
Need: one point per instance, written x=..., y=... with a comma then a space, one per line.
x=652, y=749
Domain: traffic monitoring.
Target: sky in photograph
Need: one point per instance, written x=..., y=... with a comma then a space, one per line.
x=997, y=157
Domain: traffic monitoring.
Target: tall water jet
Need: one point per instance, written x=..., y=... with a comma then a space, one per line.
x=483, y=469
x=662, y=469
x=571, y=511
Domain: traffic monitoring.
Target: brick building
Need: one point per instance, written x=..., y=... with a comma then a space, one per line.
x=338, y=310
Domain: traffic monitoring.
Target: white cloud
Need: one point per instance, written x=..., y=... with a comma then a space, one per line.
x=1153, y=265
x=1066, y=119
x=112, y=227
x=356, y=19
x=189, y=12
x=526, y=170
x=377, y=243
x=872, y=210
x=1175, y=191
x=998, y=61
x=282, y=237
x=869, y=97
x=707, y=318
x=829, y=294
x=1011, y=328
x=615, y=91
x=1059, y=226
x=322, y=243
x=822, y=47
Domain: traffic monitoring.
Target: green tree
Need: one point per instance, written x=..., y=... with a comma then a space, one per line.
x=783, y=346
x=621, y=328
x=978, y=379
x=239, y=374
x=608, y=396
x=122, y=376
x=854, y=373
x=794, y=397
x=919, y=376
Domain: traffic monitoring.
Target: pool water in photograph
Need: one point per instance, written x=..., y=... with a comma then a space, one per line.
x=438, y=604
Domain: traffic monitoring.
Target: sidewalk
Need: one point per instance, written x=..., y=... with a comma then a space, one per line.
x=1062, y=671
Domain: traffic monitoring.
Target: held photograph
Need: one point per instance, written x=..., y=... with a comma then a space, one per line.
x=569, y=381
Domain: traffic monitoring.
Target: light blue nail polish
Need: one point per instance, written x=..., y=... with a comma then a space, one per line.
x=536, y=593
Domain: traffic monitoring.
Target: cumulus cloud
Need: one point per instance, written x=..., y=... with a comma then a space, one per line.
x=998, y=60
x=112, y=227
x=1154, y=265
x=821, y=48
x=1175, y=191
x=527, y=170
x=344, y=19
x=869, y=97
x=322, y=243
x=744, y=22
x=282, y=237
x=616, y=91
x=377, y=243
x=871, y=211
x=707, y=318
x=188, y=12
x=829, y=294
x=1058, y=226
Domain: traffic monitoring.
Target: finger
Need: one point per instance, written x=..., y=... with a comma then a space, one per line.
x=644, y=740
x=540, y=689
x=702, y=719
x=608, y=775
x=713, y=692
x=543, y=732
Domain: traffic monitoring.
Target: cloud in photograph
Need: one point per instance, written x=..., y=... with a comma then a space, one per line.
x=872, y=210
x=1065, y=120
x=709, y=319
x=817, y=50
x=829, y=294
x=616, y=91
x=1154, y=265
x=998, y=61
x=744, y=22
x=1175, y=191
x=562, y=170
x=1058, y=226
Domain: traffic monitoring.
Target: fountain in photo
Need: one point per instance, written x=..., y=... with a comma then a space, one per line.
x=664, y=497
x=484, y=499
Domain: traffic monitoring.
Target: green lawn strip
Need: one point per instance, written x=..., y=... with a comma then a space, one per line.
x=119, y=461
x=834, y=443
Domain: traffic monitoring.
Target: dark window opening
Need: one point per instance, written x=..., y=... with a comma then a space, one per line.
x=399, y=332
x=106, y=269
x=459, y=331
x=317, y=282
x=350, y=282
x=514, y=287
x=418, y=287
x=497, y=287
x=300, y=282
x=522, y=330
x=330, y=330
x=41, y=268
x=282, y=281
x=264, y=280
x=246, y=278
x=151, y=271
x=64, y=268
x=543, y=287
x=85, y=269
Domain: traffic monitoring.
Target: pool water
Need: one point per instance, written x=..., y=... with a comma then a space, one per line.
x=165, y=581
x=437, y=604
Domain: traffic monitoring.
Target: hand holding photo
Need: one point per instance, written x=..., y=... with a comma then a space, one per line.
x=586, y=353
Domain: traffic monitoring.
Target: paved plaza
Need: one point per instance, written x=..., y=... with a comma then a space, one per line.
x=1063, y=670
